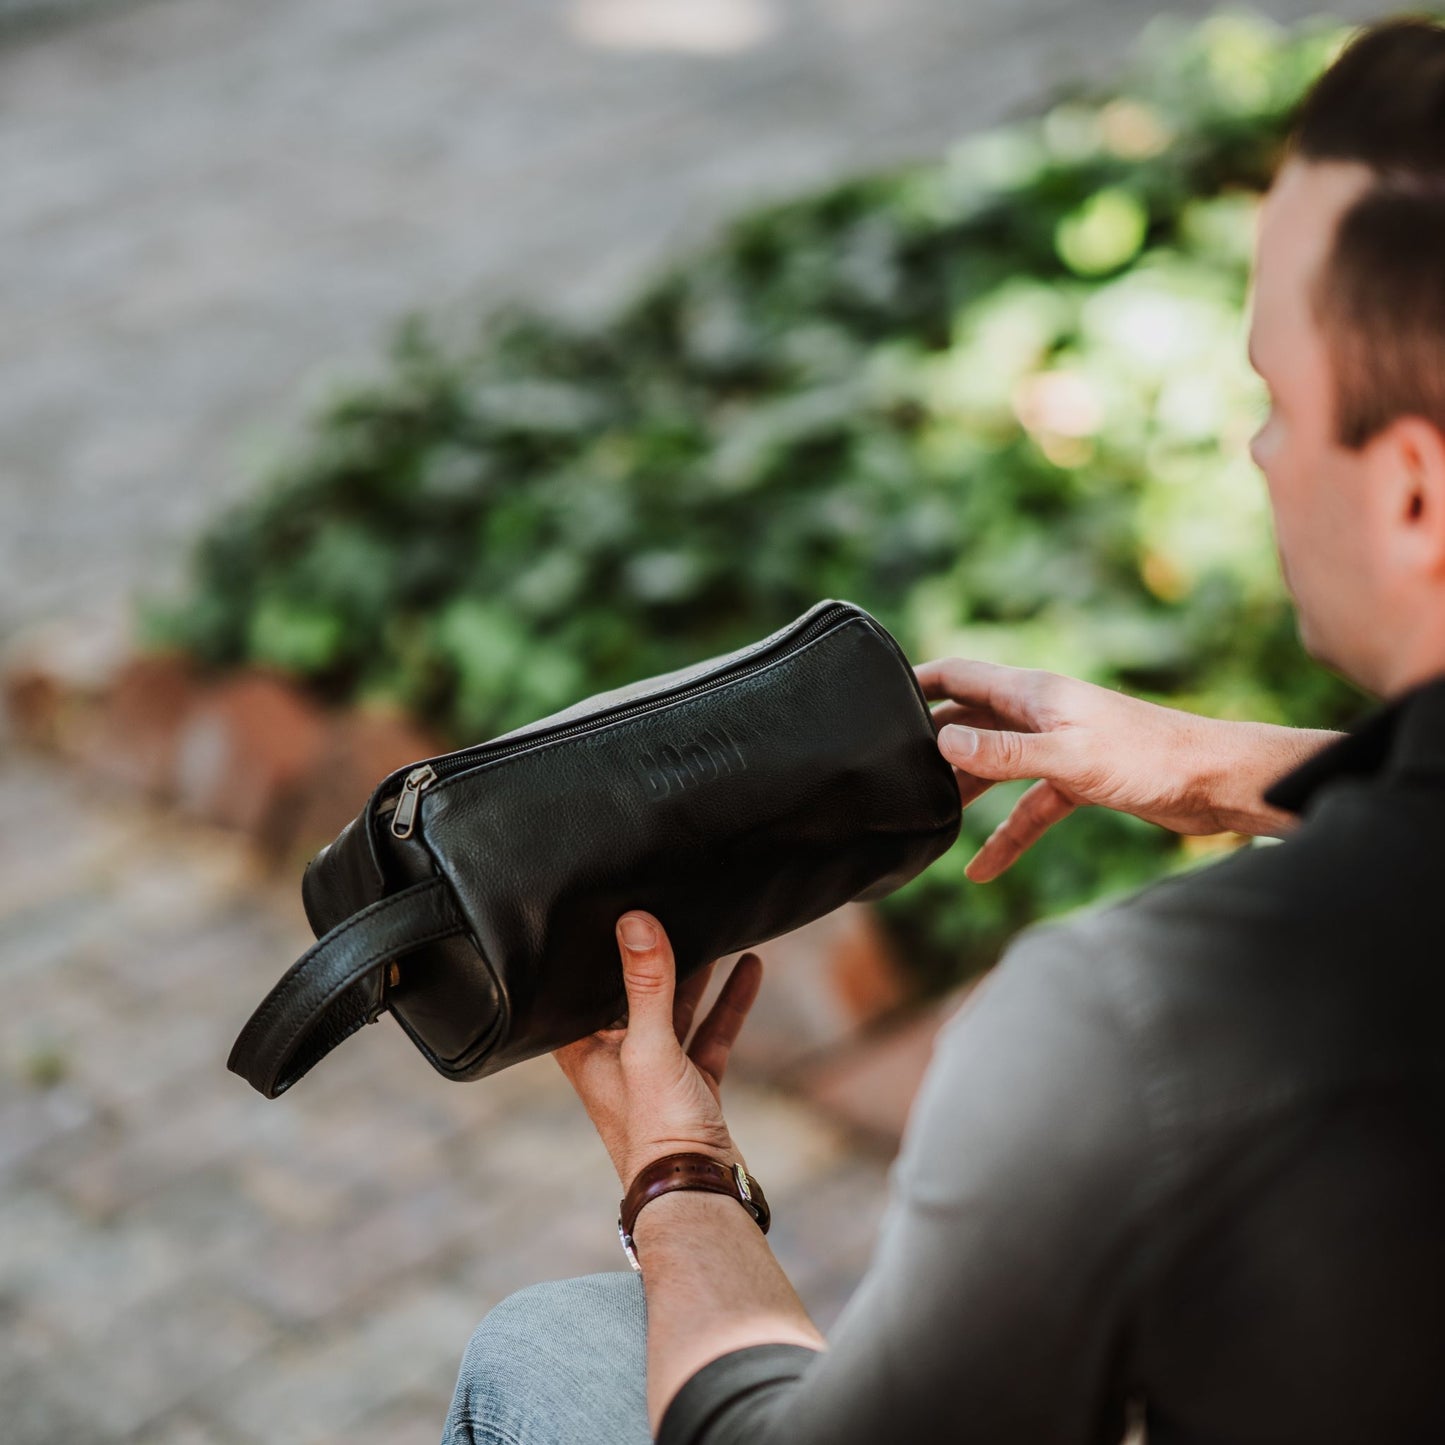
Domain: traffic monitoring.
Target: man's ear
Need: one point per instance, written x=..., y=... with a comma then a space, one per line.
x=1413, y=478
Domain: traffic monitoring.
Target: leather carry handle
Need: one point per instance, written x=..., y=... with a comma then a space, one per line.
x=329, y=992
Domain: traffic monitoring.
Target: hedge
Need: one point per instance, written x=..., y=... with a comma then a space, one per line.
x=999, y=399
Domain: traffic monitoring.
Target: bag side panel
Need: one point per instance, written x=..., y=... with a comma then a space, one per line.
x=444, y=992
x=343, y=878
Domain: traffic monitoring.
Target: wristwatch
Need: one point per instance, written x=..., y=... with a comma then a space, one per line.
x=688, y=1171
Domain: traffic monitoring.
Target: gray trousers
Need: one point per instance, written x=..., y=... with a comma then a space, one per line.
x=563, y=1362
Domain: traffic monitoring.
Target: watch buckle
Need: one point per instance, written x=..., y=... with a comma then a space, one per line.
x=627, y=1248
x=745, y=1193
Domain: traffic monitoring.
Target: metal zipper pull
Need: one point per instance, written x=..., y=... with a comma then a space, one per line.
x=417, y=781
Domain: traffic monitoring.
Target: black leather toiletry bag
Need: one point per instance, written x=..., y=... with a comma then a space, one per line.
x=476, y=895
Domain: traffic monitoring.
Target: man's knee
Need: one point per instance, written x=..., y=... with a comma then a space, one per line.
x=543, y=1348
x=589, y=1307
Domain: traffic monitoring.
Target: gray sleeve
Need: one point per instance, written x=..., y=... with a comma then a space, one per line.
x=996, y=1303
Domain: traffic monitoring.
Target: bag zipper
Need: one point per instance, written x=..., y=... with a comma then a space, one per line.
x=403, y=821
x=421, y=777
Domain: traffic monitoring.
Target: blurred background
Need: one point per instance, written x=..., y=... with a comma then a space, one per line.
x=375, y=378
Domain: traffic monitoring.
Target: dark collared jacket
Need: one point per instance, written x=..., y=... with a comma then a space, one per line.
x=1179, y=1156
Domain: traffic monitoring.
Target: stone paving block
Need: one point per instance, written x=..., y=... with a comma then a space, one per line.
x=78, y=1295
x=67, y=983
x=185, y=1428
x=171, y=880
x=166, y=1352
x=58, y=1010
x=125, y=1161
x=306, y=1392
x=33, y=1118
x=287, y=1195
x=41, y=1408
x=306, y=1275
x=49, y=855
x=214, y=1228
x=38, y=937
x=34, y=1231
x=122, y=1063
x=364, y=1139
x=220, y=964
x=554, y=1247
x=408, y=1422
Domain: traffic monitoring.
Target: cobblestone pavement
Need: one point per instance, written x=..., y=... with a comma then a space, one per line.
x=209, y=207
x=182, y=1261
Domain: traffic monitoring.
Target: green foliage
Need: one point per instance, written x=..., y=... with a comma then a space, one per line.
x=1000, y=400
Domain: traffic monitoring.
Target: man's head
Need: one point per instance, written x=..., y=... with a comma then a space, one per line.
x=1348, y=332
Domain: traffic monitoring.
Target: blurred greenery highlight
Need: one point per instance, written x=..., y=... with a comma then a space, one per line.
x=1000, y=400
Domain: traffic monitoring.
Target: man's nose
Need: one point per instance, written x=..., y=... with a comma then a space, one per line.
x=1256, y=449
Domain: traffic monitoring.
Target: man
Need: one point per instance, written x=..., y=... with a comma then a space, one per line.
x=1181, y=1158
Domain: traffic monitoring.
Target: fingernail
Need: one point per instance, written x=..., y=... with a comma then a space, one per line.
x=638, y=933
x=960, y=740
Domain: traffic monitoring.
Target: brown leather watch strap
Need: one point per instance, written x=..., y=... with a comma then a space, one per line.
x=694, y=1171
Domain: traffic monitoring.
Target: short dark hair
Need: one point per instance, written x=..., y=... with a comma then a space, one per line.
x=1379, y=298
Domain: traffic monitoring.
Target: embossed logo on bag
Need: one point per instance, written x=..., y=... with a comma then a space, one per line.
x=674, y=767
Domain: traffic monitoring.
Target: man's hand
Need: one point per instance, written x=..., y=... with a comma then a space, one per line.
x=646, y=1096
x=1091, y=745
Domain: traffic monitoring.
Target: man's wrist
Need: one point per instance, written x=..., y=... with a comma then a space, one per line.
x=1258, y=754
x=691, y=1224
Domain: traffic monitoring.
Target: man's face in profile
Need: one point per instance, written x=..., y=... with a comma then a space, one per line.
x=1324, y=529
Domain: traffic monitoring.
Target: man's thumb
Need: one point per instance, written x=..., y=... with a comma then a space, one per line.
x=987, y=753
x=647, y=973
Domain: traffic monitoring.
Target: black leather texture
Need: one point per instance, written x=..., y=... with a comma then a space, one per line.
x=736, y=799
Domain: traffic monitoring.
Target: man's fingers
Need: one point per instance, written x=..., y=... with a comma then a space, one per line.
x=1035, y=812
x=648, y=973
x=988, y=727
x=689, y=995
x=1015, y=695
x=962, y=712
x=995, y=754
x=718, y=1031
